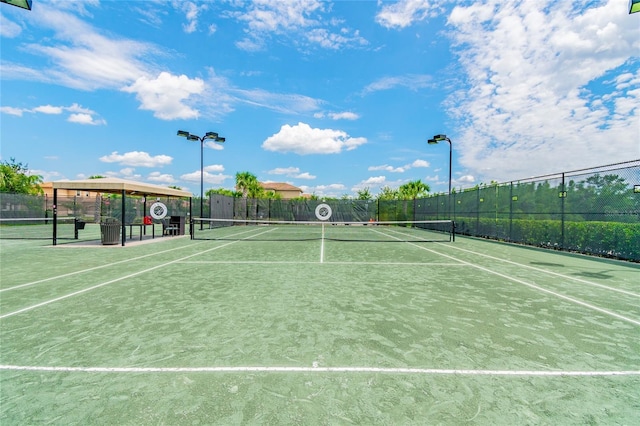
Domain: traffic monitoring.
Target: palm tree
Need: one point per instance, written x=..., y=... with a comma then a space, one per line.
x=414, y=189
x=364, y=194
x=246, y=183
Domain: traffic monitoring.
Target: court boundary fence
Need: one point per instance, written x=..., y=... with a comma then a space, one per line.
x=594, y=211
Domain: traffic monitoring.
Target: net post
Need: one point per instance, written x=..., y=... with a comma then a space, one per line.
x=55, y=216
x=453, y=231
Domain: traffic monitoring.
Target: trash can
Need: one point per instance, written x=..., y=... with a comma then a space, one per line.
x=79, y=224
x=110, y=232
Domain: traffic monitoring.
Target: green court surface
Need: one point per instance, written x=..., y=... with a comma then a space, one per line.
x=317, y=331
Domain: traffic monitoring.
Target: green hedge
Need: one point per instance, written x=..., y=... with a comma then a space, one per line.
x=611, y=239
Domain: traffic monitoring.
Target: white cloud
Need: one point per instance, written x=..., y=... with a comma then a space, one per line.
x=214, y=168
x=293, y=172
x=191, y=11
x=303, y=139
x=400, y=169
x=210, y=178
x=218, y=146
x=80, y=115
x=284, y=171
x=165, y=95
x=162, y=178
x=126, y=173
x=137, y=159
x=330, y=190
x=331, y=40
x=9, y=28
x=12, y=111
x=286, y=103
x=403, y=13
x=537, y=94
x=410, y=81
x=79, y=56
x=387, y=168
x=465, y=180
x=49, y=109
x=85, y=119
x=420, y=163
x=302, y=21
x=375, y=180
x=305, y=175
x=347, y=115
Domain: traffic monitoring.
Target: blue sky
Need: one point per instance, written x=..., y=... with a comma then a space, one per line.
x=332, y=97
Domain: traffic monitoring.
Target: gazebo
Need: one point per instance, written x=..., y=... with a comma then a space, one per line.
x=122, y=187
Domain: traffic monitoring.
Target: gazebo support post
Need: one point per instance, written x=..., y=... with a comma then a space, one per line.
x=124, y=226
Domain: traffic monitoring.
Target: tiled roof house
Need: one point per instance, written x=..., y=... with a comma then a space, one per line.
x=285, y=190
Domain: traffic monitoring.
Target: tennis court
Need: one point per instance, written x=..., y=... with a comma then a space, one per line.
x=256, y=325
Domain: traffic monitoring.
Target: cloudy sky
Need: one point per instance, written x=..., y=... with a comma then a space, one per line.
x=332, y=97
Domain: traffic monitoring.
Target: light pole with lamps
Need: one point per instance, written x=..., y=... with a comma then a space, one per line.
x=434, y=141
x=190, y=137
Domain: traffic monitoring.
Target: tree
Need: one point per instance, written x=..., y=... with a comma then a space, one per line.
x=222, y=191
x=364, y=194
x=247, y=184
x=387, y=193
x=412, y=190
x=15, y=178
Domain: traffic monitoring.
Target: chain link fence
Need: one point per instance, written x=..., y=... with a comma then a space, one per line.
x=592, y=211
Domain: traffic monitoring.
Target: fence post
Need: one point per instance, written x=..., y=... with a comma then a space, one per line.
x=563, y=196
x=511, y=211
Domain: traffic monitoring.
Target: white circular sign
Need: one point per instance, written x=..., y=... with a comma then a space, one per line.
x=158, y=210
x=323, y=211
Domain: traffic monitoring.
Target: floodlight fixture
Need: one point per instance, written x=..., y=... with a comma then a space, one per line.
x=634, y=6
x=434, y=141
x=23, y=4
x=191, y=137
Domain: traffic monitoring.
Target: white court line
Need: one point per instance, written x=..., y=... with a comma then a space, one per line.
x=75, y=293
x=295, y=262
x=322, y=246
x=618, y=290
x=528, y=284
x=260, y=369
x=108, y=265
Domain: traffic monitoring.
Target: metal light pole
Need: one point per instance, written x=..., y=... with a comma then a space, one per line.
x=434, y=141
x=190, y=137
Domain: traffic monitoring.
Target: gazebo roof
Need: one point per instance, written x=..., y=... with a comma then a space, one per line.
x=116, y=186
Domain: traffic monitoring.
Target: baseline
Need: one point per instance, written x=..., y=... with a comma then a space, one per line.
x=318, y=369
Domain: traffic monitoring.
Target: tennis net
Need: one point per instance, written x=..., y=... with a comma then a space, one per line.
x=37, y=228
x=279, y=230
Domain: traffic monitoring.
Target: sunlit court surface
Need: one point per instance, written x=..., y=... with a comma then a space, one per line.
x=243, y=327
